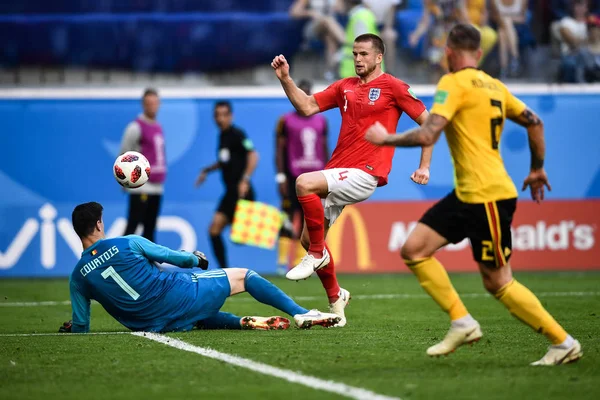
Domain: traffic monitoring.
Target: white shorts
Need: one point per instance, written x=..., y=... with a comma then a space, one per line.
x=346, y=186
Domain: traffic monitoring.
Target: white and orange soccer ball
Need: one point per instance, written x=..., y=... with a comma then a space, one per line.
x=131, y=169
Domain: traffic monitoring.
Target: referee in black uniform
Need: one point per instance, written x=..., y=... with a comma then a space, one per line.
x=237, y=160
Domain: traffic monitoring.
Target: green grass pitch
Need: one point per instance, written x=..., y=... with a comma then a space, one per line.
x=382, y=349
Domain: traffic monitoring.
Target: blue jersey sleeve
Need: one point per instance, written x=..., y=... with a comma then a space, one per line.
x=155, y=252
x=81, y=308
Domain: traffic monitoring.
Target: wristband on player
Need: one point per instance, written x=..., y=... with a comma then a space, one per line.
x=280, y=177
x=202, y=260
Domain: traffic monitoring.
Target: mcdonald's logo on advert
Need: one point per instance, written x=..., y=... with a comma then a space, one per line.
x=557, y=235
x=339, y=235
x=359, y=240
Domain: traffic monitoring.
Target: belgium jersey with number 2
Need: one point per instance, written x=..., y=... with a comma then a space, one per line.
x=482, y=205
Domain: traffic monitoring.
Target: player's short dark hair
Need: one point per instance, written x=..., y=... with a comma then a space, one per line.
x=149, y=92
x=224, y=103
x=375, y=40
x=464, y=37
x=305, y=85
x=84, y=218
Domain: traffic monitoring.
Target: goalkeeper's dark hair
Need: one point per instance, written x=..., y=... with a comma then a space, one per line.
x=464, y=37
x=84, y=218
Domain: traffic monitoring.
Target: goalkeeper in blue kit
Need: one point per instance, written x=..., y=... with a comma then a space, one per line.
x=120, y=274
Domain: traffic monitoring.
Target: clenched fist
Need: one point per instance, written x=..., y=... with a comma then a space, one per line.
x=281, y=67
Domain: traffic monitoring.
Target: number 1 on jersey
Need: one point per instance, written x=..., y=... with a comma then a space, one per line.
x=495, y=123
x=110, y=271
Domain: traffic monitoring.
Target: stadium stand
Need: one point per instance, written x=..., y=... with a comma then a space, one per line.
x=231, y=40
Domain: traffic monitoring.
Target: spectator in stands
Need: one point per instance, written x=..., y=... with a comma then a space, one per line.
x=323, y=26
x=360, y=20
x=145, y=135
x=385, y=12
x=572, y=33
x=594, y=48
x=510, y=16
x=478, y=16
x=444, y=14
x=562, y=8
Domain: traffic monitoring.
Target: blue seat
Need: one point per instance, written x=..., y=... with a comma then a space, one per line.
x=44, y=7
x=149, y=42
x=406, y=23
x=414, y=4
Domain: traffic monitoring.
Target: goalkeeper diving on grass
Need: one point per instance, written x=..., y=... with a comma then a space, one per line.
x=120, y=274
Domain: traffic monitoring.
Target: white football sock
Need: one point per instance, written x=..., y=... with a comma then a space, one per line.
x=567, y=343
x=464, y=322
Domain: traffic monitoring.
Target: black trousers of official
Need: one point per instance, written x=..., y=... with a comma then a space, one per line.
x=143, y=209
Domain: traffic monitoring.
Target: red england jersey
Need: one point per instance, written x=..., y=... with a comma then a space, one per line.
x=361, y=105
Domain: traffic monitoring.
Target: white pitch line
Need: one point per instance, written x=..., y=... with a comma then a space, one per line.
x=61, y=334
x=381, y=296
x=265, y=369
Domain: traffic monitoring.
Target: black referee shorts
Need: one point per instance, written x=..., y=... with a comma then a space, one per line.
x=290, y=204
x=486, y=225
x=230, y=199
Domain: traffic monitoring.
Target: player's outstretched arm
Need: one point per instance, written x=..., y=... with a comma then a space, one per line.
x=537, y=178
x=425, y=135
x=154, y=252
x=304, y=104
x=81, y=310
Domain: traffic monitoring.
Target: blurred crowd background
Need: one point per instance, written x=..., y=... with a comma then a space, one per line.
x=231, y=42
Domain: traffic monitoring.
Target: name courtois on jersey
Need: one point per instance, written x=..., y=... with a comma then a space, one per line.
x=98, y=261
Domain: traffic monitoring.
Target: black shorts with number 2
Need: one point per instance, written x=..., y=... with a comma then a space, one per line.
x=486, y=225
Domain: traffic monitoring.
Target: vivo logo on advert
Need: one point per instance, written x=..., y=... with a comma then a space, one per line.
x=48, y=226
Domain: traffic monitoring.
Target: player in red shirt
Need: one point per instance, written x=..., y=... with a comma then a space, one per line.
x=356, y=167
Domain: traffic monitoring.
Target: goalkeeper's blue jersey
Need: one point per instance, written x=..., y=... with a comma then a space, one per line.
x=119, y=274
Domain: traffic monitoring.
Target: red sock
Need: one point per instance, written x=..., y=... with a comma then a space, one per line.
x=314, y=216
x=329, y=280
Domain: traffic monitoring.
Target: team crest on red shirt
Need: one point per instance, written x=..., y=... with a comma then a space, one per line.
x=374, y=94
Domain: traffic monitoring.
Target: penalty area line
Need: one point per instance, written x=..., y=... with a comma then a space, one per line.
x=265, y=369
